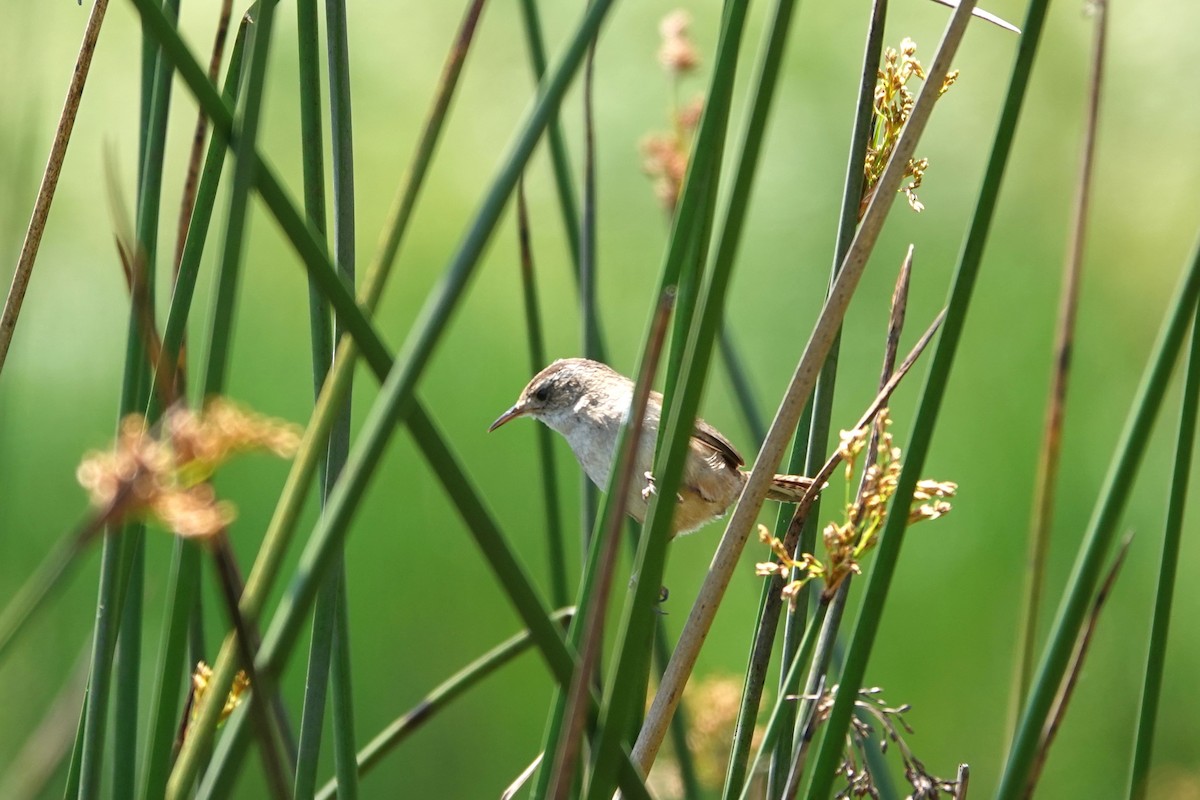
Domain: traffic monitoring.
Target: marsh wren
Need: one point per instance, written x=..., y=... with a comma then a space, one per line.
x=587, y=402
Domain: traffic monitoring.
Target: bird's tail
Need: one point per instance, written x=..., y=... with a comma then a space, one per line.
x=788, y=488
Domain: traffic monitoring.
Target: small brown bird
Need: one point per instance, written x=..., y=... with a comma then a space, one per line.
x=587, y=402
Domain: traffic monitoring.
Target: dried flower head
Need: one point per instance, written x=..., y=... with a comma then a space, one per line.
x=677, y=52
x=893, y=103
x=855, y=768
x=665, y=155
x=162, y=475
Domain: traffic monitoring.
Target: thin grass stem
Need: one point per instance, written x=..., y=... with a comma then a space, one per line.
x=1071, y=681
x=1143, y=749
x=817, y=440
x=316, y=683
x=566, y=753
x=826, y=645
x=183, y=603
x=1046, y=480
x=191, y=182
x=344, y=226
x=555, y=544
x=777, y=721
x=445, y=693
x=560, y=159
x=625, y=690
x=155, y=104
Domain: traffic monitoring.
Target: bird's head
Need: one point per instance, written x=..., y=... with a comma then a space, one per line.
x=555, y=393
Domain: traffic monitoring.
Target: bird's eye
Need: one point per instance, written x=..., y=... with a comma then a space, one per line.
x=542, y=393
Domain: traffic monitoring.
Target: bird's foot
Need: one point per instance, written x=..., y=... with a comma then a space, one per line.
x=649, y=488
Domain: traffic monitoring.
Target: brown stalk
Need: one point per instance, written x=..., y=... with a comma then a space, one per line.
x=45, y=196
x=1049, y=456
x=1059, y=710
x=166, y=379
x=592, y=639
x=191, y=182
x=835, y=595
x=248, y=641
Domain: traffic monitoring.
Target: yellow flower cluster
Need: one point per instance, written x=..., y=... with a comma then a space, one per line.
x=846, y=542
x=892, y=106
x=200, y=681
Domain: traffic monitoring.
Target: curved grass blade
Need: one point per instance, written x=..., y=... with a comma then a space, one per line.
x=441, y=697
x=329, y=652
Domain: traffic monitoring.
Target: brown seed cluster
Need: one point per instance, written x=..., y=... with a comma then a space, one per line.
x=846, y=542
x=892, y=106
x=163, y=474
x=873, y=713
x=665, y=155
x=677, y=53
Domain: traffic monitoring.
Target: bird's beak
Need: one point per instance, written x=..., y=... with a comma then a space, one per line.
x=516, y=411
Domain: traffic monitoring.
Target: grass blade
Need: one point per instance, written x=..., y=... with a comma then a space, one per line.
x=1113, y=496
x=591, y=636
x=555, y=544
x=441, y=697
x=183, y=589
x=1168, y=567
x=816, y=443
x=316, y=681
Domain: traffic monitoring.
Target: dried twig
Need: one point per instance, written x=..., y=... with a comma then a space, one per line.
x=1051, y=445
x=41, y=206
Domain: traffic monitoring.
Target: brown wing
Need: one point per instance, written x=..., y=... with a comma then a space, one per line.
x=703, y=432
x=713, y=438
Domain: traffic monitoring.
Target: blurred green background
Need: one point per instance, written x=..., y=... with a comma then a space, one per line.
x=422, y=602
